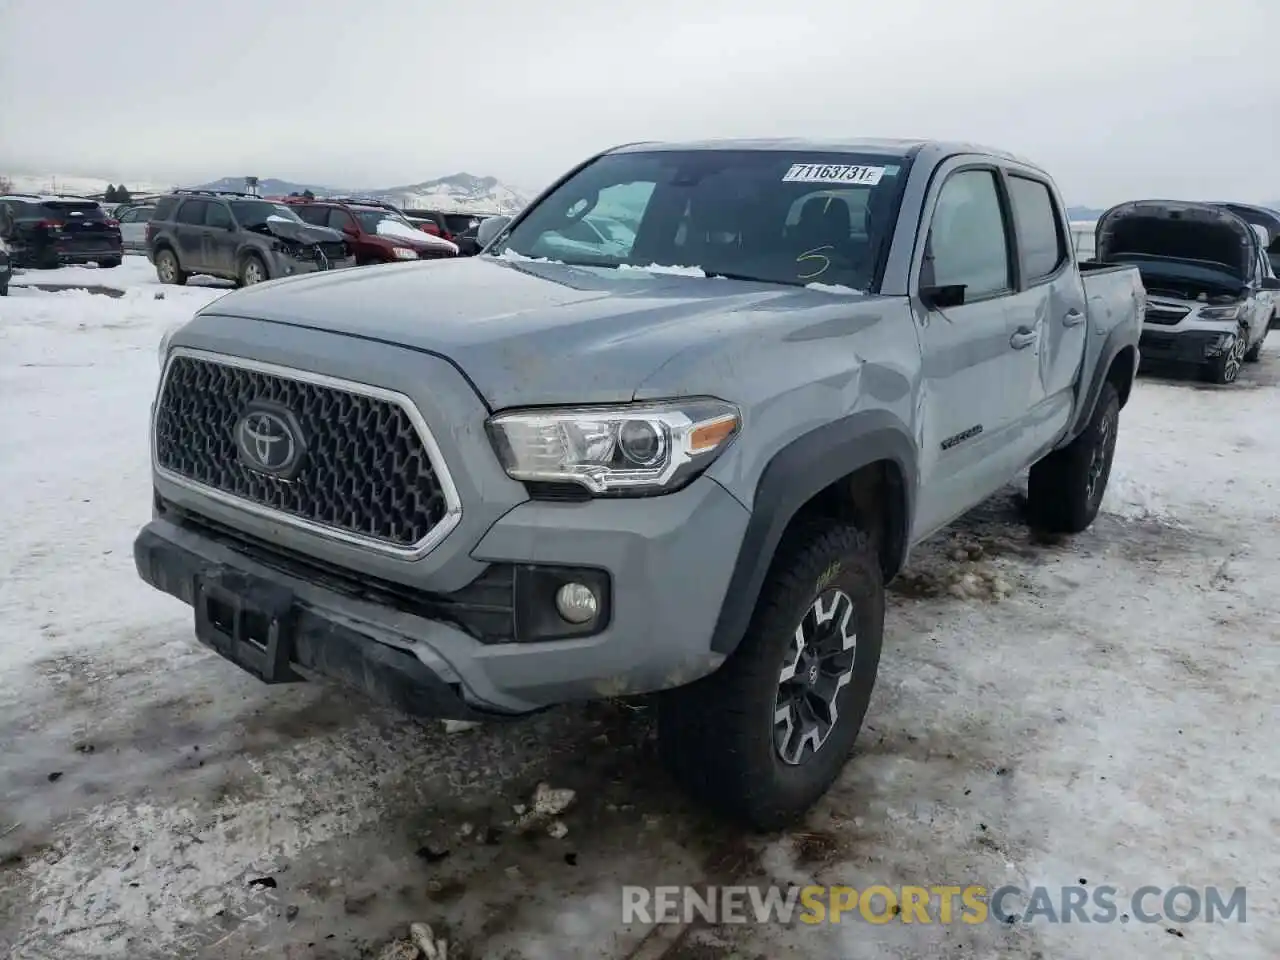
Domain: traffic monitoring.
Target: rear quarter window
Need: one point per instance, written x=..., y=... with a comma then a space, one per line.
x=164, y=208
x=1041, y=244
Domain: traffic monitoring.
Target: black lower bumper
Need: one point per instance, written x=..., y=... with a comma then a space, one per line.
x=1189, y=346
x=261, y=627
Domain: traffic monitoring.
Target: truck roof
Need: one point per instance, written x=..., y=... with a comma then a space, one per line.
x=936, y=149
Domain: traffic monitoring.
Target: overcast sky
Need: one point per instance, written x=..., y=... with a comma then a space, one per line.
x=1118, y=99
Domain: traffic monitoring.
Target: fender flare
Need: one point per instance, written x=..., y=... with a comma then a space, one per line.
x=1116, y=341
x=795, y=474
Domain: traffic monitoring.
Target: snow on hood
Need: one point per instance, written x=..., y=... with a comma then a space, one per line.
x=395, y=230
x=287, y=229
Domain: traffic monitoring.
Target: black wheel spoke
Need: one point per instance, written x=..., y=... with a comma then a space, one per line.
x=818, y=666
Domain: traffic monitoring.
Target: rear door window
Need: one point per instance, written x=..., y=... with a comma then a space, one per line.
x=216, y=215
x=316, y=216
x=191, y=212
x=1041, y=245
x=339, y=219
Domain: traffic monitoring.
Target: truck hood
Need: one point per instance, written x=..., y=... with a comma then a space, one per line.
x=298, y=231
x=1187, y=233
x=530, y=333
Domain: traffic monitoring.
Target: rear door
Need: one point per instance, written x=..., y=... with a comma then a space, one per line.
x=1049, y=306
x=219, y=238
x=974, y=393
x=189, y=231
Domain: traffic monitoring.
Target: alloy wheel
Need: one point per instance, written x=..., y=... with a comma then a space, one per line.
x=819, y=665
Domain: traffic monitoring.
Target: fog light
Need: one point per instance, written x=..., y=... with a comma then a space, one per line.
x=576, y=603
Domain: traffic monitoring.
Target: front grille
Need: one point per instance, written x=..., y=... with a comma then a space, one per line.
x=485, y=608
x=1166, y=316
x=364, y=471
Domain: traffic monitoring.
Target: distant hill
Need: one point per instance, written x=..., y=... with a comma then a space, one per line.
x=459, y=193
x=1084, y=213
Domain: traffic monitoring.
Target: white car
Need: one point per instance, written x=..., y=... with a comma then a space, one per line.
x=133, y=228
x=1211, y=293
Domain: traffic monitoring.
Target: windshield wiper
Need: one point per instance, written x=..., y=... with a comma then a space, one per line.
x=727, y=275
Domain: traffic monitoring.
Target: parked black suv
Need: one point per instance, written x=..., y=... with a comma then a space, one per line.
x=48, y=231
x=237, y=236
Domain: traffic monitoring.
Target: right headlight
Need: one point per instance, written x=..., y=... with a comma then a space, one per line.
x=629, y=449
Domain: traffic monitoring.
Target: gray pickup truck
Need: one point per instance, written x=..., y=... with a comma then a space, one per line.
x=686, y=462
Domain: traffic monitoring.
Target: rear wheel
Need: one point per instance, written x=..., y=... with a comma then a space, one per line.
x=1065, y=490
x=167, y=268
x=764, y=737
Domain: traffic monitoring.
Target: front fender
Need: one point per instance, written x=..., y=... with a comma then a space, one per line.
x=796, y=473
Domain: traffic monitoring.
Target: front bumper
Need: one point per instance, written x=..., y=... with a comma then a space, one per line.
x=286, y=266
x=668, y=561
x=1186, y=346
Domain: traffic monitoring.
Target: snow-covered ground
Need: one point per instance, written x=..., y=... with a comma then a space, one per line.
x=1099, y=709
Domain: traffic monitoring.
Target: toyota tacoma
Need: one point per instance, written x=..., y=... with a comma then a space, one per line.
x=685, y=464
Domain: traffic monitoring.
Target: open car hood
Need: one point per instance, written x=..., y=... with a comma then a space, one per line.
x=1199, y=233
x=299, y=232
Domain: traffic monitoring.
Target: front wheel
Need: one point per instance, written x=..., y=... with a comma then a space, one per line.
x=763, y=738
x=1065, y=489
x=1224, y=369
x=252, y=271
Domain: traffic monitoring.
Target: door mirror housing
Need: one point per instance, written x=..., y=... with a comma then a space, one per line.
x=1271, y=283
x=942, y=297
x=489, y=229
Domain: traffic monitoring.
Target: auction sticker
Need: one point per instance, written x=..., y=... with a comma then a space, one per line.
x=843, y=173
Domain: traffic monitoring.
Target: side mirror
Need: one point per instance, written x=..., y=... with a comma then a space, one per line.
x=940, y=298
x=489, y=229
x=1271, y=283
x=231, y=228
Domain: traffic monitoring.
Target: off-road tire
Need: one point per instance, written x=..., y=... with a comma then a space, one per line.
x=108, y=264
x=252, y=262
x=4, y=289
x=1060, y=498
x=167, y=268
x=716, y=736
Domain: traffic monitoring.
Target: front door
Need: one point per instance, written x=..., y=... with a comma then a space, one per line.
x=974, y=393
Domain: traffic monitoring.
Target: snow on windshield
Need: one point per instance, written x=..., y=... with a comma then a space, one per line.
x=396, y=230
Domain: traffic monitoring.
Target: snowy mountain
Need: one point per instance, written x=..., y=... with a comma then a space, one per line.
x=459, y=193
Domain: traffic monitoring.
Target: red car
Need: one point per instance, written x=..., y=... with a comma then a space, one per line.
x=376, y=232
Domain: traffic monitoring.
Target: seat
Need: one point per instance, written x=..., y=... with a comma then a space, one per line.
x=824, y=222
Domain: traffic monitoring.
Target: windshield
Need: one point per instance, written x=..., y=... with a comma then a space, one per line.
x=369, y=219
x=254, y=213
x=778, y=216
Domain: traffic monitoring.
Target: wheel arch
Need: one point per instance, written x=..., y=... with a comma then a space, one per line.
x=1118, y=365
x=860, y=469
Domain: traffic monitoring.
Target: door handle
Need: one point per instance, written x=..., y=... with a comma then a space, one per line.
x=1073, y=318
x=1023, y=339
